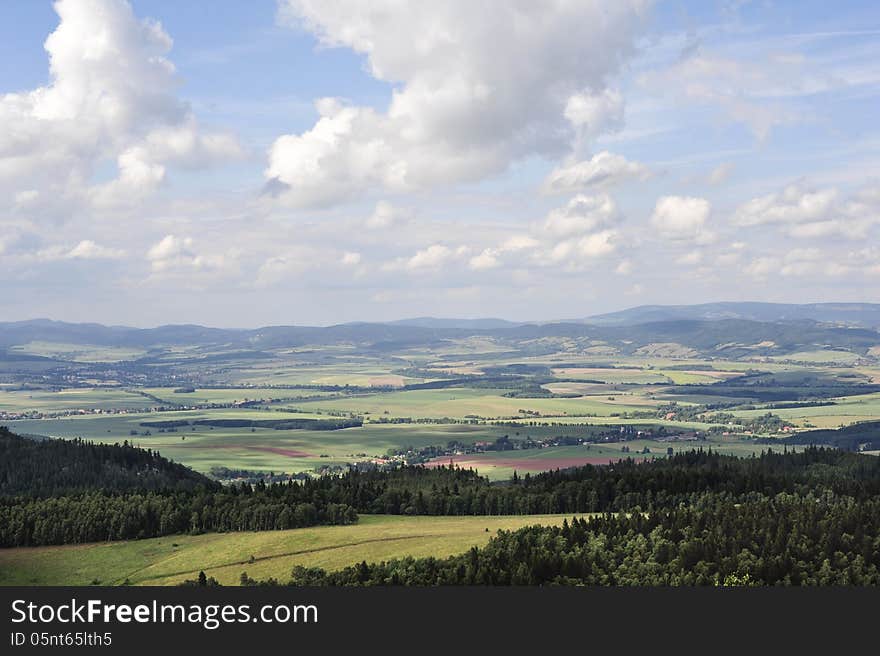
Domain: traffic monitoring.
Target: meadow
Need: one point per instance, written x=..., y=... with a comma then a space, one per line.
x=171, y=560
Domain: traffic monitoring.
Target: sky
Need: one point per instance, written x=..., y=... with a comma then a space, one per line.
x=315, y=162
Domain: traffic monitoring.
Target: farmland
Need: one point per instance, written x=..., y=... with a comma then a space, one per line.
x=210, y=406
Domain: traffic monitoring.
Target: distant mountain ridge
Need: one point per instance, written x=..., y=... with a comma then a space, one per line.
x=863, y=315
x=477, y=324
x=710, y=329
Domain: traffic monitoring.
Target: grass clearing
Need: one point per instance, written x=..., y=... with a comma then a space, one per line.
x=172, y=559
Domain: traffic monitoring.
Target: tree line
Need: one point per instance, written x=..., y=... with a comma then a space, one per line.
x=787, y=539
x=98, y=516
x=73, y=491
x=49, y=467
x=625, y=485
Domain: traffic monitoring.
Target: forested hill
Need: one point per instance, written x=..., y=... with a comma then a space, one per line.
x=863, y=315
x=42, y=468
x=782, y=540
x=722, y=336
x=624, y=485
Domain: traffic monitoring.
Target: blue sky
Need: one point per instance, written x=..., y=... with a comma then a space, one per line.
x=309, y=162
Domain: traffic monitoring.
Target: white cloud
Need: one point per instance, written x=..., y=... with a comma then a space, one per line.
x=682, y=218
x=173, y=254
x=89, y=250
x=581, y=214
x=492, y=257
x=488, y=259
x=111, y=96
x=804, y=212
x=430, y=259
x=169, y=247
x=794, y=204
x=803, y=262
x=571, y=236
x=598, y=244
x=581, y=231
x=603, y=170
x=800, y=261
x=593, y=114
x=84, y=250
x=477, y=86
x=517, y=243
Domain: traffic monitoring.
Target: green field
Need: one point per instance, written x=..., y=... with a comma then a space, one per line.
x=78, y=352
x=170, y=560
x=462, y=402
x=71, y=400
x=846, y=410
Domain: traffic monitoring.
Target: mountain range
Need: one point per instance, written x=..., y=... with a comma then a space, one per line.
x=731, y=328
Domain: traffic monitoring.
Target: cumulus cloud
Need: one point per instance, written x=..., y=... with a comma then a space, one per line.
x=587, y=247
x=803, y=262
x=804, y=212
x=602, y=170
x=682, y=218
x=476, y=86
x=111, y=96
x=572, y=236
x=794, y=204
x=492, y=257
x=173, y=254
x=89, y=250
x=82, y=250
x=581, y=214
x=800, y=261
x=488, y=259
x=432, y=258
